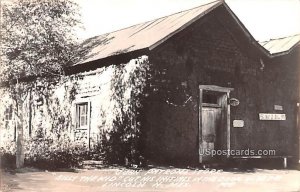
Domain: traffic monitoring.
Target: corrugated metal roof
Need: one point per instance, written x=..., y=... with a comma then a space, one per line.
x=144, y=35
x=281, y=45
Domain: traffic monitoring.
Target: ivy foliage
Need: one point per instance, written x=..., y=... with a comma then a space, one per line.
x=120, y=145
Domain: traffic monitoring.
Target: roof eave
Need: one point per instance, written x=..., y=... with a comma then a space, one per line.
x=285, y=52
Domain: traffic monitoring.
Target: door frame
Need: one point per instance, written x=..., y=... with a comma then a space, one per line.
x=76, y=102
x=225, y=109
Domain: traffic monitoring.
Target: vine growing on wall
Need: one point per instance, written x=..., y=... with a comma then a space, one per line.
x=51, y=146
x=171, y=89
x=120, y=144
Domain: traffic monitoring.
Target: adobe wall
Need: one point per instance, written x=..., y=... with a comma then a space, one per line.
x=207, y=54
x=49, y=109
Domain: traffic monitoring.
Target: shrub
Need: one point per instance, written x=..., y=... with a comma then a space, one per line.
x=46, y=153
x=119, y=147
x=8, y=156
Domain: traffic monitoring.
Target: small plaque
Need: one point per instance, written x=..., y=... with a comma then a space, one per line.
x=278, y=107
x=238, y=123
x=272, y=117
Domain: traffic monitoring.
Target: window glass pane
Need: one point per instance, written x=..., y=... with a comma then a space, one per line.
x=82, y=110
x=83, y=120
x=210, y=97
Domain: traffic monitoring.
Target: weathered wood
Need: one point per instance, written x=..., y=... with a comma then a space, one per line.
x=211, y=120
x=227, y=108
x=215, y=88
x=200, y=147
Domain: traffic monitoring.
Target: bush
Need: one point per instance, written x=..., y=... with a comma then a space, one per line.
x=118, y=147
x=8, y=160
x=45, y=153
x=8, y=156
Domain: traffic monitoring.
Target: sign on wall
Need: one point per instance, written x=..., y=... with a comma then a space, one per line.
x=278, y=107
x=238, y=123
x=272, y=117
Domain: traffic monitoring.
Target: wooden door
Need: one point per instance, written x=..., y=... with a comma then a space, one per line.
x=211, y=121
x=214, y=121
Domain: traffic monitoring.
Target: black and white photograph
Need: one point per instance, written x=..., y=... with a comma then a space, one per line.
x=149, y=95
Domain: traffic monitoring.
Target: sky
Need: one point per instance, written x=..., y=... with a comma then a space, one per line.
x=265, y=19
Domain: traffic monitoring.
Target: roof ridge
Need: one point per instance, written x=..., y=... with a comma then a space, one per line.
x=272, y=39
x=213, y=1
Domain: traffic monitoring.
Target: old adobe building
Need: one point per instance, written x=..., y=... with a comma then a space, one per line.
x=205, y=84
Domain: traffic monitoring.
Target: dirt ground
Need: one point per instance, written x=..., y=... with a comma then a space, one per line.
x=151, y=180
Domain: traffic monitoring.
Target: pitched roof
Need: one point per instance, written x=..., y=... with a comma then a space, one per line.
x=281, y=45
x=144, y=35
x=150, y=34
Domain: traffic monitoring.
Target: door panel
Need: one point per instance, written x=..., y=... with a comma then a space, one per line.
x=214, y=118
x=211, y=119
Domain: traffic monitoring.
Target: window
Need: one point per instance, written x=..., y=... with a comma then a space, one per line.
x=210, y=97
x=8, y=113
x=82, y=115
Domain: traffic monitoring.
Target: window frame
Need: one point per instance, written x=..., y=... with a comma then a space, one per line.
x=78, y=116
